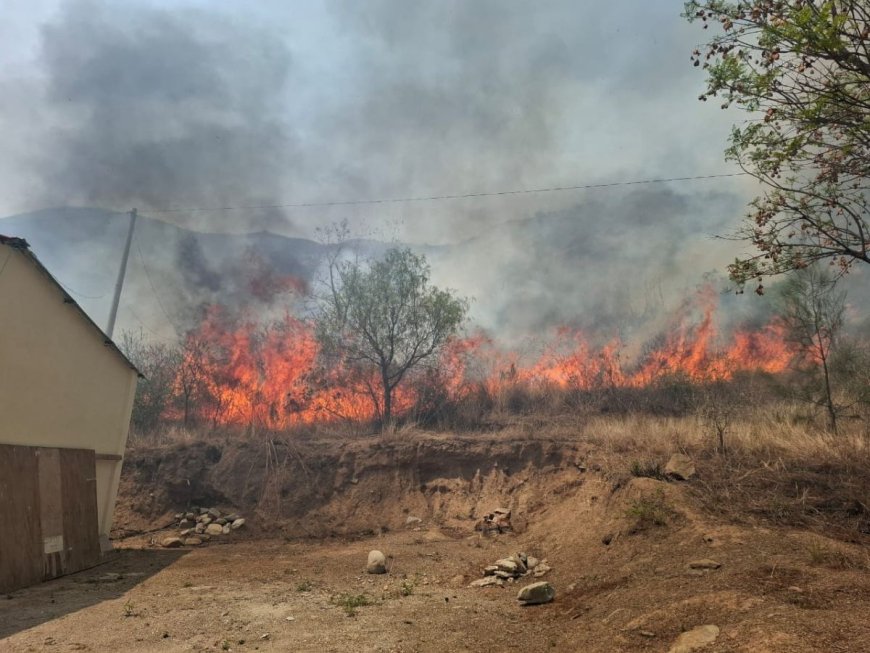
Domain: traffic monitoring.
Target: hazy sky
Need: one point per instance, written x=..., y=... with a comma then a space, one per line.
x=202, y=104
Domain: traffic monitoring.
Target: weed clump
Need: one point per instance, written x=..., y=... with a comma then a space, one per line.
x=350, y=602
x=648, y=469
x=649, y=511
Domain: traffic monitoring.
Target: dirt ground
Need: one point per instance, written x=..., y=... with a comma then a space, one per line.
x=637, y=594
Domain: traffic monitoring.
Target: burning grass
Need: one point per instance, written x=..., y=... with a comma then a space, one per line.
x=235, y=372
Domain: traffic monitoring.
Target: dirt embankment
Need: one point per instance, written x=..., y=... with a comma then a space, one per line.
x=332, y=488
x=635, y=561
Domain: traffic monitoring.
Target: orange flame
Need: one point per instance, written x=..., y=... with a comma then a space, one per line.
x=237, y=372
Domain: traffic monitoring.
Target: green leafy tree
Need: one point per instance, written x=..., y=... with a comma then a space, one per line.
x=801, y=69
x=385, y=318
x=812, y=309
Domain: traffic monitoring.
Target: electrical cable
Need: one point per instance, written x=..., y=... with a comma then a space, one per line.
x=433, y=198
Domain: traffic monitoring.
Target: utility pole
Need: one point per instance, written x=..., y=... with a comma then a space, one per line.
x=119, y=284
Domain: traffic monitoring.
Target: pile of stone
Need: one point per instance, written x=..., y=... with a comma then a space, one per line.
x=507, y=570
x=498, y=520
x=199, y=525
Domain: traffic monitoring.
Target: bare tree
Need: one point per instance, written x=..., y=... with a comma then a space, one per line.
x=159, y=364
x=812, y=309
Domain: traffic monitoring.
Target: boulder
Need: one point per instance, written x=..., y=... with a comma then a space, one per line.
x=171, y=542
x=695, y=639
x=233, y=517
x=237, y=523
x=532, y=562
x=214, y=529
x=536, y=593
x=225, y=529
x=214, y=513
x=192, y=541
x=487, y=581
x=221, y=520
x=190, y=516
x=680, y=467
x=377, y=563
x=200, y=529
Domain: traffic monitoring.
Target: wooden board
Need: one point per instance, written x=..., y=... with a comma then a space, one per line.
x=48, y=513
x=81, y=530
x=20, y=535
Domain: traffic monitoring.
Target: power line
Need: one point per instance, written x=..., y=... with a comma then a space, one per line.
x=153, y=289
x=432, y=198
x=80, y=294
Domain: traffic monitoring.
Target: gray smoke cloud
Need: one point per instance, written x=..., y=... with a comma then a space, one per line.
x=172, y=105
x=160, y=107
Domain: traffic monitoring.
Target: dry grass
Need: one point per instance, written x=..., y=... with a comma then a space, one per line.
x=780, y=465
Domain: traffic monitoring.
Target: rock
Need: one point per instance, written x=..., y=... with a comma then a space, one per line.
x=221, y=520
x=411, y=520
x=179, y=515
x=200, y=529
x=704, y=564
x=225, y=529
x=532, y=562
x=695, y=639
x=237, y=523
x=190, y=516
x=541, y=569
x=521, y=563
x=233, y=517
x=377, y=563
x=214, y=529
x=509, y=565
x=171, y=542
x=646, y=633
x=185, y=523
x=680, y=467
x=192, y=541
x=214, y=513
x=205, y=519
x=489, y=570
x=503, y=574
x=536, y=593
x=487, y=581
x=203, y=511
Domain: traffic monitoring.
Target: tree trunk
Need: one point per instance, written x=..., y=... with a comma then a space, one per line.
x=829, y=400
x=387, y=416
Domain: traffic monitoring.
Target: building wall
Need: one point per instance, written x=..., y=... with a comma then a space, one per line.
x=60, y=385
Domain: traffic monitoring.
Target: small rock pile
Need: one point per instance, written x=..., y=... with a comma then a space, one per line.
x=507, y=570
x=199, y=525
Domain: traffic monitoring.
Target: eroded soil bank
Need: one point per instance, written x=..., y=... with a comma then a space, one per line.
x=621, y=548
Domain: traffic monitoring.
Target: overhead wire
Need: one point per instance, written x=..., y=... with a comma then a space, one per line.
x=153, y=289
x=433, y=198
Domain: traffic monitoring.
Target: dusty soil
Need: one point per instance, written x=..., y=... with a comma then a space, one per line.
x=280, y=586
